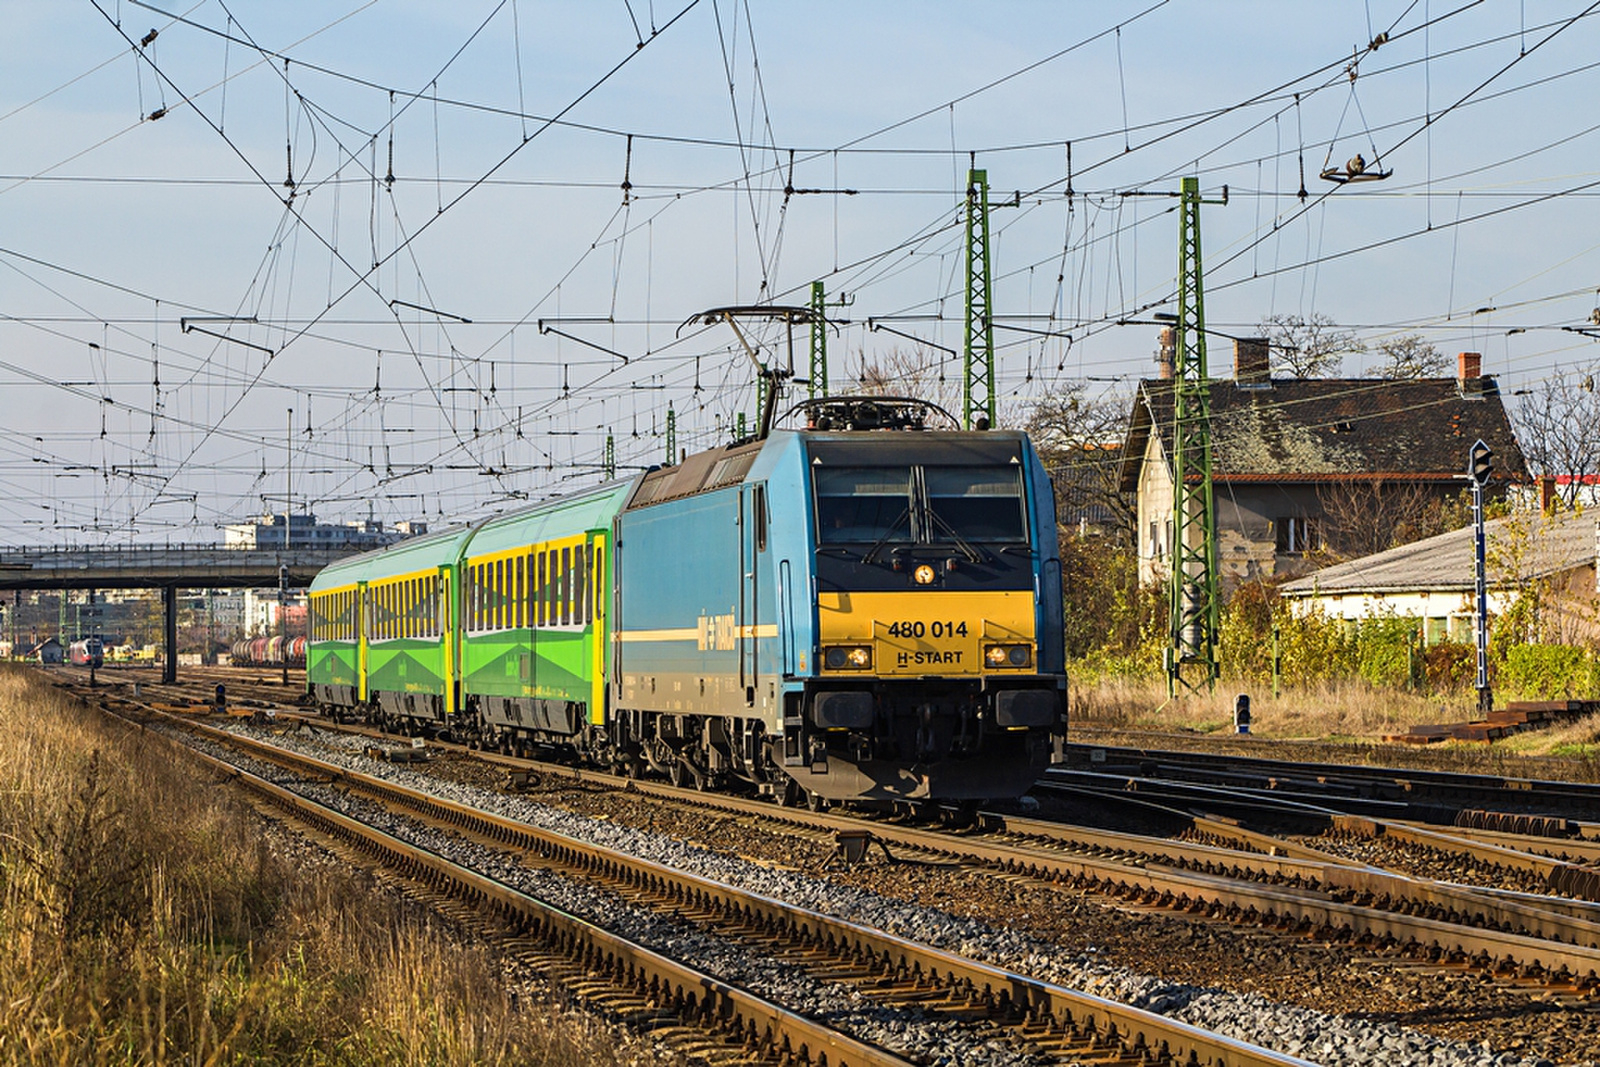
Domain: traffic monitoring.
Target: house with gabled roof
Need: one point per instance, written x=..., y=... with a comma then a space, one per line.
x=1434, y=581
x=1292, y=456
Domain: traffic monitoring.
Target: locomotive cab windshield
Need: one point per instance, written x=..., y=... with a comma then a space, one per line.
x=920, y=505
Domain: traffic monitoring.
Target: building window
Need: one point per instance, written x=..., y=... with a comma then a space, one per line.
x=1297, y=535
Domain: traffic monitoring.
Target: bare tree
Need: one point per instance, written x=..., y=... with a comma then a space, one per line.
x=1312, y=347
x=1558, y=427
x=1080, y=440
x=1410, y=356
x=925, y=374
x=1361, y=518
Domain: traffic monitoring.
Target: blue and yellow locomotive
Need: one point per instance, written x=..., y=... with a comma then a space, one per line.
x=863, y=609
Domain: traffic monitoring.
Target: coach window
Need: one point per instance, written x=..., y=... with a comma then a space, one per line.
x=497, y=594
x=540, y=584
x=565, y=590
x=529, y=610
x=582, y=579
x=478, y=594
x=518, y=593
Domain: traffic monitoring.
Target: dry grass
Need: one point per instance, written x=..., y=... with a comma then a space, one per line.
x=1349, y=709
x=1339, y=721
x=145, y=920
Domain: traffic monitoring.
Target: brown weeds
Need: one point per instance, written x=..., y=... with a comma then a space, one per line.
x=145, y=918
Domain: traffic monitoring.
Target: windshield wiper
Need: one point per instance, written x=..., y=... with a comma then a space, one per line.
x=972, y=554
x=887, y=534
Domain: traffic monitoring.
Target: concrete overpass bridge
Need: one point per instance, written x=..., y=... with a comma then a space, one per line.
x=168, y=568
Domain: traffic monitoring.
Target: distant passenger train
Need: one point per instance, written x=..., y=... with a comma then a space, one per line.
x=268, y=652
x=89, y=652
x=864, y=609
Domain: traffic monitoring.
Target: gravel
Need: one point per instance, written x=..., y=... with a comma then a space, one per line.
x=1314, y=1035
x=927, y=1036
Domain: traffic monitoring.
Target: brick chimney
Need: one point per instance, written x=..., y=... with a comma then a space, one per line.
x=1251, y=366
x=1166, y=353
x=1547, y=494
x=1469, y=373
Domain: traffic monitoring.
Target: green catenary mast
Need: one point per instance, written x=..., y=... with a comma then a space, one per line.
x=818, y=382
x=977, y=386
x=1195, y=613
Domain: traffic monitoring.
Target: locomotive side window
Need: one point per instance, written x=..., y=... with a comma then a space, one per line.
x=978, y=503
x=863, y=504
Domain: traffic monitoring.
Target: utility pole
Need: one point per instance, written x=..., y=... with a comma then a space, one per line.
x=818, y=382
x=1480, y=464
x=288, y=482
x=609, y=467
x=977, y=366
x=672, y=437
x=283, y=616
x=1194, y=609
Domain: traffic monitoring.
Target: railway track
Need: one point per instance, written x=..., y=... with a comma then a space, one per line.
x=1232, y=874
x=1489, y=801
x=1061, y=1024
x=1260, y=879
x=686, y=1008
x=1551, y=852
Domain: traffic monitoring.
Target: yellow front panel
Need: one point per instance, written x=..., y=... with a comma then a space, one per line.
x=924, y=633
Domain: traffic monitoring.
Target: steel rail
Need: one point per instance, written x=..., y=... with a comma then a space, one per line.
x=1392, y=782
x=743, y=1016
x=1544, y=948
x=1067, y=1011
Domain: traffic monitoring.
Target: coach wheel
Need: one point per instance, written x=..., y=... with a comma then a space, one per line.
x=789, y=792
x=676, y=772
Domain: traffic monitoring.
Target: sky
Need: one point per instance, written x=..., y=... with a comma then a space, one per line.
x=407, y=260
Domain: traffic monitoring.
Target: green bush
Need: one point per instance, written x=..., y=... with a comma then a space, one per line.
x=1548, y=672
x=1386, y=650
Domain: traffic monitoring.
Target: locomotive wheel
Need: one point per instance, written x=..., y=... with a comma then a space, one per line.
x=816, y=801
x=676, y=772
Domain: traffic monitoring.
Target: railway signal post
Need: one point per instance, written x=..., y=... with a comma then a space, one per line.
x=1480, y=464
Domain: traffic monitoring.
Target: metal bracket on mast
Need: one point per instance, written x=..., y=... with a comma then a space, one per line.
x=771, y=377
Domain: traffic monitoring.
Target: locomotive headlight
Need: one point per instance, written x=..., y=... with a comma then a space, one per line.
x=1007, y=655
x=847, y=657
x=923, y=575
